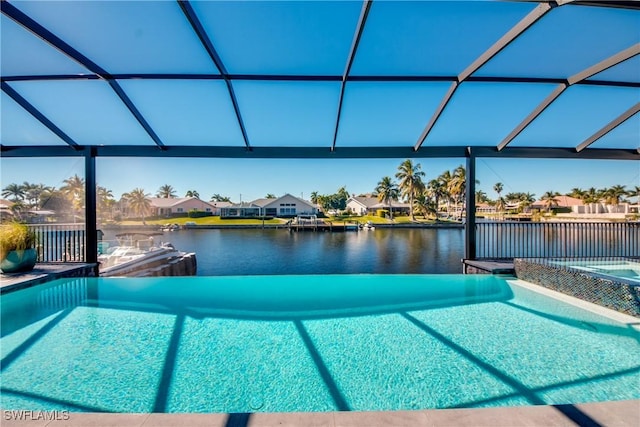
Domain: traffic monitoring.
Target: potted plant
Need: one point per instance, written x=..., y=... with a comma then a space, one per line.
x=17, y=248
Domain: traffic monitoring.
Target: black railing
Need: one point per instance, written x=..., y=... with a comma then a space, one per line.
x=500, y=240
x=60, y=242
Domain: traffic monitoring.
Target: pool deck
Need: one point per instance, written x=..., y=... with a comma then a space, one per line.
x=618, y=413
x=44, y=272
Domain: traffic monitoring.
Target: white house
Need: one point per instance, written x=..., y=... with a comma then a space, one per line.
x=369, y=205
x=161, y=206
x=285, y=206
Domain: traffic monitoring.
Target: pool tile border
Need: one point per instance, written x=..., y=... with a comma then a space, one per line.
x=610, y=293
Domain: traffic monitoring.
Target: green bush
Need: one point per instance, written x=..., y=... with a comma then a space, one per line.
x=199, y=214
x=15, y=237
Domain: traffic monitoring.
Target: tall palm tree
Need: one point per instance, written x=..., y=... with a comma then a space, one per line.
x=498, y=187
x=614, y=195
x=550, y=200
x=437, y=191
x=411, y=184
x=481, y=197
x=73, y=189
x=445, y=179
x=138, y=202
x=14, y=191
x=387, y=192
x=166, y=191
x=105, y=200
x=458, y=187
x=635, y=192
x=314, y=197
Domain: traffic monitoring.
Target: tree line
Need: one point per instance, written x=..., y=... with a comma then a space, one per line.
x=443, y=193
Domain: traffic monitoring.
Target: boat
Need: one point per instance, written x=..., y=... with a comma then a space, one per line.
x=368, y=226
x=137, y=254
x=170, y=227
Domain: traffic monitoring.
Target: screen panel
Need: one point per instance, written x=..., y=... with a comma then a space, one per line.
x=125, y=36
x=281, y=37
x=18, y=127
x=576, y=115
x=187, y=112
x=288, y=113
x=88, y=111
x=387, y=114
x=565, y=41
x=484, y=113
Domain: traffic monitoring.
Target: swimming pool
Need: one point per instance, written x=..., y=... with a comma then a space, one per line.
x=617, y=268
x=306, y=343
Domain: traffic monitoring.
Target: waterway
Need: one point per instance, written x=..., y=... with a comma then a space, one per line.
x=278, y=251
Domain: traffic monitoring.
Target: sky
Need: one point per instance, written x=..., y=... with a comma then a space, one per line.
x=246, y=180
x=314, y=38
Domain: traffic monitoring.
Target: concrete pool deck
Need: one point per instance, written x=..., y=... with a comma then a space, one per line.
x=617, y=413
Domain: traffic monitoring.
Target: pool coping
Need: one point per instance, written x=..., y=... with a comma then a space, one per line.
x=615, y=413
x=43, y=273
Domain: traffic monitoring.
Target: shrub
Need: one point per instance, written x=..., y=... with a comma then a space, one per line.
x=199, y=214
x=15, y=237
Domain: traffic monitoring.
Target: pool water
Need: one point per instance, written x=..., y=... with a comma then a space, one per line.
x=306, y=343
x=621, y=269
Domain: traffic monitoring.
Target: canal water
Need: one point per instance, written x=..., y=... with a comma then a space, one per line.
x=278, y=251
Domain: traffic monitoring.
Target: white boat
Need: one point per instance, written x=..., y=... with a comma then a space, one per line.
x=135, y=254
x=368, y=226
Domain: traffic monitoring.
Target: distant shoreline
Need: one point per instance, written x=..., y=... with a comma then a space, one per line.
x=272, y=226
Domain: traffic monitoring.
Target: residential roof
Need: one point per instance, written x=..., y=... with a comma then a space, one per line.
x=563, y=201
x=167, y=202
x=374, y=203
x=264, y=202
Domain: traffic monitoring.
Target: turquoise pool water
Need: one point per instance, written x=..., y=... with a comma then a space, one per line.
x=620, y=269
x=305, y=343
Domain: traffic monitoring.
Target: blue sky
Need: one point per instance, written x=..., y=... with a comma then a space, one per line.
x=255, y=178
x=400, y=38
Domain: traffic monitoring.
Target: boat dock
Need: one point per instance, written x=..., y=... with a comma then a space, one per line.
x=312, y=223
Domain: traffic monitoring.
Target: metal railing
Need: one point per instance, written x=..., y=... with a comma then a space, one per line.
x=60, y=242
x=500, y=240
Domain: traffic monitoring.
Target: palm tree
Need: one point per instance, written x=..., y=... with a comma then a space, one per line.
x=192, y=193
x=498, y=187
x=73, y=189
x=387, y=191
x=436, y=190
x=550, y=200
x=36, y=193
x=218, y=198
x=15, y=191
x=576, y=193
x=445, y=181
x=526, y=200
x=138, y=202
x=500, y=205
x=458, y=187
x=105, y=200
x=166, y=192
x=481, y=197
x=635, y=192
x=270, y=196
x=425, y=205
x=314, y=197
x=411, y=184
x=614, y=195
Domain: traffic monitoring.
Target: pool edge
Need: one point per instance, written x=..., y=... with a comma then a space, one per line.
x=618, y=413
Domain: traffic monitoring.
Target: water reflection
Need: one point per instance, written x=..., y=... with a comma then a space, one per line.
x=393, y=251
